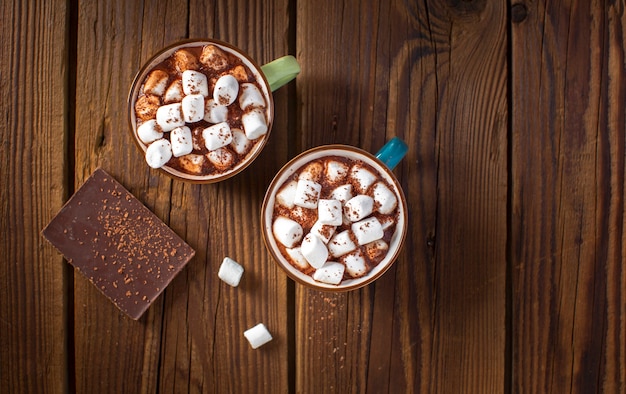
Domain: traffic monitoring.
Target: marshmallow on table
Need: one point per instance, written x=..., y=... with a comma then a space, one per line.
x=385, y=199
x=193, y=108
x=181, y=141
x=250, y=96
x=307, y=194
x=240, y=144
x=296, y=256
x=217, y=136
x=286, y=231
x=149, y=131
x=170, y=116
x=230, y=272
x=257, y=336
x=323, y=231
x=314, y=250
x=214, y=112
x=340, y=244
x=331, y=273
x=174, y=92
x=254, y=123
x=195, y=82
x=226, y=90
x=221, y=158
x=358, y=207
x=355, y=264
x=156, y=82
x=367, y=230
x=158, y=153
x=336, y=171
x=364, y=178
x=342, y=193
x=286, y=194
x=329, y=212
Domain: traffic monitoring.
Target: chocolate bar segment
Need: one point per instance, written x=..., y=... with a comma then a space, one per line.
x=123, y=248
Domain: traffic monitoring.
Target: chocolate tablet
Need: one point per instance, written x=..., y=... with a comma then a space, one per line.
x=125, y=250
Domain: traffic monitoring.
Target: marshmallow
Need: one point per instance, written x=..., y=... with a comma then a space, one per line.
x=342, y=193
x=257, y=336
x=213, y=57
x=314, y=250
x=307, y=194
x=363, y=177
x=312, y=172
x=336, y=171
x=367, y=230
x=386, y=222
x=217, y=136
x=170, y=116
x=193, y=108
x=221, y=158
x=376, y=250
x=240, y=144
x=226, y=90
x=286, y=194
x=185, y=60
x=286, y=231
x=214, y=112
x=146, y=107
x=174, y=92
x=331, y=273
x=239, y=72
x=355, y=264
x=180, y=139
x=358, y=207
x=149, y=131
x=329, y=212
x=341, y=244
x=192, y=163
x=158, y=153
x=230, y=272
x=156, y=82
x=254, y=123
x=386, y=200
x=297, y=258
x=195, y=82
x=250, y=96
x=323, y=231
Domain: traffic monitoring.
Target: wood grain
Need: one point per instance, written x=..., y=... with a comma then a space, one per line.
x=33, y=105
x=567, y=222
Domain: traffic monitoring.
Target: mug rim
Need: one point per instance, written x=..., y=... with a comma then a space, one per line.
x=292, y=271
x=134, y=93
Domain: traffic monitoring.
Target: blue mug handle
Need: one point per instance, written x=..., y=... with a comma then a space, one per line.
x=392, y=152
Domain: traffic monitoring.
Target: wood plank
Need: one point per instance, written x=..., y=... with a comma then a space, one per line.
x=379, y=69
x=33, y=101
x=192, y=337
x=568, y=221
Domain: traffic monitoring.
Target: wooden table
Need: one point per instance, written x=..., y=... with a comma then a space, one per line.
x=512, y=277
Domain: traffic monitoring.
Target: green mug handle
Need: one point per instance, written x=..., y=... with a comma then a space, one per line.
x=280, y=71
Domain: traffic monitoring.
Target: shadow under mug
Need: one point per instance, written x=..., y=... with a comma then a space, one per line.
x=270, y=77
x=383, y=162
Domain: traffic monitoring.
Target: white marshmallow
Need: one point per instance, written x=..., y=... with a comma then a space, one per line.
x=221, y=158
x=367, y=230
x=286, y=231
x=329, y=212
x=363, y=177
x=156, y=82
x=286, y=194
x=217, y=136
x=192, y=163
x=226, y=90
x=250, y=96
x=213, y=112
x=312, y=172
x=386, y=200
x=323, y=231
x=170, y=116
x=254, y=123
x=358, y=207
x=331, y=273
x=336, y=171
x=307, y=194
x=240, y=144
x=193, y=108
x=376, y=250
x=314, y=250
x=158, y=153
x=174, y=92
x=342, y=193
x=149, y=131
x=195, y=82
x=297, y=258
x=230, y=272
x=181, y=141
x=257, y=336
x=386, y=222
x=355, y=264
x=341, y=244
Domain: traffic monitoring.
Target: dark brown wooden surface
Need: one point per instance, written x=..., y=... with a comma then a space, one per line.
x=512, y=277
